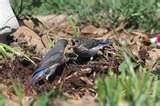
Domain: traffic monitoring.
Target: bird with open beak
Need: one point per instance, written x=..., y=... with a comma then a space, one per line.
x=87, y=49
x=54, y=58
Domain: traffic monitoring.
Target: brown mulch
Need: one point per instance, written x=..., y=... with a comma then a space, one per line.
x=75, y=79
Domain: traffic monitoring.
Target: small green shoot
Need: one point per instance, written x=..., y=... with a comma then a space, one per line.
x=18, y=90
x=7, y=51
x=45, y=98
x=2, y=100
x=73, y=22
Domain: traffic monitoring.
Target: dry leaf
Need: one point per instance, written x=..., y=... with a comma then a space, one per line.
x=11, y=103
x=45, y=41
x=29, y=38
x=55, y=23
x=29, y=24
x=154, y=56
x=85, y=101
x=27, y=101
x=93, y=31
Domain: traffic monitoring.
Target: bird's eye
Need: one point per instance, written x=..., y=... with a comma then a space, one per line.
x=76, y=41
x=72, y=42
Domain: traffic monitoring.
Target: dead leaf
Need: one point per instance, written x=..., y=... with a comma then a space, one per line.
x=11, y=103
x=86, y=80
x=45, y=41
x=50, y=20
x=29, y=38
x=93, y=31
x=85, y=101
x=113, y=31
x=154, y=57
x=134, y=40
x=55, y=23
x=27, y=101
x=29, y=24
x=143, y=53
x=137, y=43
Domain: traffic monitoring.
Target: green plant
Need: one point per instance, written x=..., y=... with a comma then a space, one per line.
x=132, y=87
x=73, y=22
x=18, y=90
x=2, y=100
x=45, y=98
x=9, y=52
x=137, y=13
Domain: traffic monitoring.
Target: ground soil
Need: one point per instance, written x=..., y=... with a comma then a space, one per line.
x=73, y=79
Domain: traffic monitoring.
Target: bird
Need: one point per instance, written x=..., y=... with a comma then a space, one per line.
x=53, y=59
x=88, y=48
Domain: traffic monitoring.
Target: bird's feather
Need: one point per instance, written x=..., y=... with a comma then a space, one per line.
x=50, y=61
x=86, y=48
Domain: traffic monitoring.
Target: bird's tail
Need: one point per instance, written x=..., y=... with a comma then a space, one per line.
x=38, y=75
x=43, y=72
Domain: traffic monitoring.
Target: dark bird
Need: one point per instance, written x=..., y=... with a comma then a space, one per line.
x=87, y=48
x=50, y=62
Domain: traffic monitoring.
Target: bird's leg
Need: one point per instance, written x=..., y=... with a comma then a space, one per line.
x=52, y=70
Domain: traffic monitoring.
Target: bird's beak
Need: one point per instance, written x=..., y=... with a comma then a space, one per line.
x=71, y=46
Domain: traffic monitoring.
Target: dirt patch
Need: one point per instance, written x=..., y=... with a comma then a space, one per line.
x=17, y=69
x=75, y=79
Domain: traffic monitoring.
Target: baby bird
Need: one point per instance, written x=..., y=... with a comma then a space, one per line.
x=87, y=48
x=50, y=62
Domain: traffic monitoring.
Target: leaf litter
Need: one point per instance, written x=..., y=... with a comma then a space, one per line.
x=76, y=80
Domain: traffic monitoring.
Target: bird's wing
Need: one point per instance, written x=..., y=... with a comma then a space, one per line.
x=53, y=52
x=52, y=55
x=52, y=70
x=82, y=49
x=96, y=48
x=41, y=70
x=83, y=52
x=89, y=43
x=57, y=57
x=38, y=74
x=41, y=73
x=105, y=42
x=46, y=67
